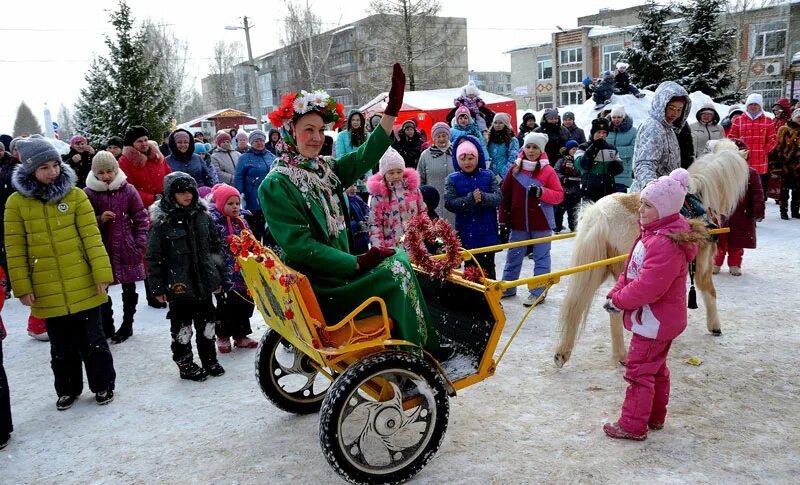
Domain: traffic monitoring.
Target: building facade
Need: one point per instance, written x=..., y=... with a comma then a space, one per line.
x=353, y=63
x=497, y=82
x=547, y=75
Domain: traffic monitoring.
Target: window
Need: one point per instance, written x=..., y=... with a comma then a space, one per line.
x=545, y=101
x=570, y=56
x=769, y=39
x=572, y=76
x=571, y=97
x=770, y=90
x=339, y=61
x=611, y=53
x=544, y=67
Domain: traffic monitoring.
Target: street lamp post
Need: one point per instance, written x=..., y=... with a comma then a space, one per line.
x=255, y=102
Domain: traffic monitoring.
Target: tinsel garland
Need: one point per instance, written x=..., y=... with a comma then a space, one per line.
x=420, y=230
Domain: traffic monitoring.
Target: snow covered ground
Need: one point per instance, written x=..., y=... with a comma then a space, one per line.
x=733, y=419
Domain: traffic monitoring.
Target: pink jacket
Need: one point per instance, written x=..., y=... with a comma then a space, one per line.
x=390, y=210
x=652, y=289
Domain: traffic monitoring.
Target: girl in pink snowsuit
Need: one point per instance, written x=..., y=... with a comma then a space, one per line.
x=651, y=293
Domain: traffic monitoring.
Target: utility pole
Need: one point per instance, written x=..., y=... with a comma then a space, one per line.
x=255, y=100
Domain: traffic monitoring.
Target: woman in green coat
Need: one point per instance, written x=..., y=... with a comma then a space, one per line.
x=304, y=205
x=59, y=267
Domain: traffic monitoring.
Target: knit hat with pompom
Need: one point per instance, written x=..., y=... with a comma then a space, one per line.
x=667, y=193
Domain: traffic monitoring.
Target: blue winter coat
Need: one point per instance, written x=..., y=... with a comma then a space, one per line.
x=251, y=169
x=623, y=137
x=502, y=156
x=476, y=223
x=190, y=163
x=457, y=131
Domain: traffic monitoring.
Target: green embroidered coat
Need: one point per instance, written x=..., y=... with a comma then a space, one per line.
x=297, y=222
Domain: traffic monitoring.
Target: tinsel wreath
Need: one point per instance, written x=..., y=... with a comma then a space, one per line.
x=420, y=230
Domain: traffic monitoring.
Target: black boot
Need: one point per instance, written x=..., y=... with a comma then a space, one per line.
x=129, y=301
x=214, y=369
x=107, y=318
x=191, y=371
x=784, y=215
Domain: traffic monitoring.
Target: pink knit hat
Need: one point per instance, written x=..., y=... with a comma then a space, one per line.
x=463, y=110
x=466, y=147
x=76, y=139
x=221, y=193
x=667, y=193
x=222, y=138
x=391, y=160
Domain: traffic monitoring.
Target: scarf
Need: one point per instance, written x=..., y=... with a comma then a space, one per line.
x=313, y=177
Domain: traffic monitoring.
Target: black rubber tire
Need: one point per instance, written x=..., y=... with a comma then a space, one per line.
x=393, y=366
x=269, y=372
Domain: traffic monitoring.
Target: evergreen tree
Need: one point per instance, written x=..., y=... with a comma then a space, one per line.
x=703, y=52
x=649, y=54
x=125, y=88
x=26, y=123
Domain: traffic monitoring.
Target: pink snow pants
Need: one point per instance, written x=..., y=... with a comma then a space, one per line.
x=648, y=390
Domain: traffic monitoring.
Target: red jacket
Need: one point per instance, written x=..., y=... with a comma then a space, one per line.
x=743, y=220
x=759, y=135
x=146, y=173
x=651, y=291
x=512, y=207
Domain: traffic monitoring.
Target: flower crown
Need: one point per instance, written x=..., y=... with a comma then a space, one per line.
x=296, y=104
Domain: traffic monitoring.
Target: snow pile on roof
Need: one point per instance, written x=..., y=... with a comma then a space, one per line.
x=637, y=109
x=432, y=99
x=601, y=30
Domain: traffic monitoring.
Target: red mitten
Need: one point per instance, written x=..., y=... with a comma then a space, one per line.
x=373, y=258
x=395, y=101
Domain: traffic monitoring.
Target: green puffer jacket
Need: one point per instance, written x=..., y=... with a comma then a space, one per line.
x=184, y=250
x=54, y=246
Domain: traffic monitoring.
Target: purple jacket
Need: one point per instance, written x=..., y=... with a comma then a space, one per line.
x=235, y=279
x=124, y=237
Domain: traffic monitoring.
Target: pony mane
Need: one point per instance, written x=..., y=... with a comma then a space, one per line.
x=719, y=179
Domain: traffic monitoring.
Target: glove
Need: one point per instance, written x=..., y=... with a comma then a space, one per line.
x=372, y=258
x=504, y=232
x=395, y=101
x=535, y=190
x=609, y=307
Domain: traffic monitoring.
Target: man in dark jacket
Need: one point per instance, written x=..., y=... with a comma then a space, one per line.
x=185, y=266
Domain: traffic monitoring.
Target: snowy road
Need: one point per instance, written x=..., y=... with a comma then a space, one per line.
x=734, y=419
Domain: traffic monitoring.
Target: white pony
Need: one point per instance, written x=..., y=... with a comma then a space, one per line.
x=609, y=227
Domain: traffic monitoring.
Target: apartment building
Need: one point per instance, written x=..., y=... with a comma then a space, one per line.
x=497, y=82
x=547, y=75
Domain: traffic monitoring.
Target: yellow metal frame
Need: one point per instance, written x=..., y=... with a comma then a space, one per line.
x=302, y=330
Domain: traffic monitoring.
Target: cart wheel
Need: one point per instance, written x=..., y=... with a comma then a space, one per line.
x=286, y=376
x=386, y=440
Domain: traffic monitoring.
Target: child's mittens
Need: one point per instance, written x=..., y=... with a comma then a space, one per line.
x=535, y=190
x=610, y=308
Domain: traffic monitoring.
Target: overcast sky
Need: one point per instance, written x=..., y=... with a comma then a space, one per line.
x=48, y=45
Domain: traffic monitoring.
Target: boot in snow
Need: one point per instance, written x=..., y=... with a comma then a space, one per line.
x=37, y=329
x=128, y=310
x=715, y=269
x=214, y=369
x=245, y=343
x=736, y=271
x=613, y=430
x=639, y=96
x=191, y=371
x=224, y=345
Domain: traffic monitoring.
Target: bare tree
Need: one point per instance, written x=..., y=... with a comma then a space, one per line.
x=309, y=47
x=407, y=31
x=65, y=128
x=226, y=56
x=193, y=108
x=170, y=55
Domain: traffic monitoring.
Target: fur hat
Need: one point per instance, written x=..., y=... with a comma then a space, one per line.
x=462, y=110
x=134, y=133
x=570, y=144
x=465, y=148
x=222, y=193
x=755, y=98
x=115, y=141
x=599, y=124
x=391, y=160
x=618, y=110
x=34, y=152
x=104, y=160
x=622, y=65
x=222, y=138
x=504, y=118
x=470, y=89
x=75, y=139
x=256, y=135
x=535, y=138
x=440, y=127
x=569, y=115
x=667, y=193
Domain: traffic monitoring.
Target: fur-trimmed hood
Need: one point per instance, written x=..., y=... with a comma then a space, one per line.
x=32, y=188
x=98, y=185
x=138, y=159
x=376, y=185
